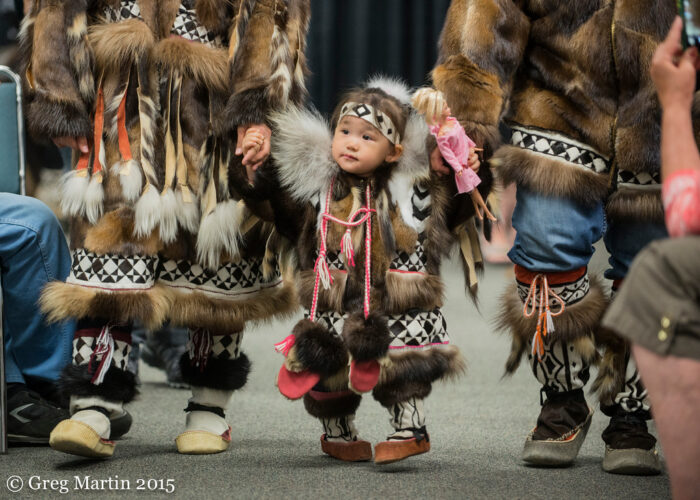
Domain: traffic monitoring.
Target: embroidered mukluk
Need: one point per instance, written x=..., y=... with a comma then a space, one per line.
x=377, y=304
x=159, y=232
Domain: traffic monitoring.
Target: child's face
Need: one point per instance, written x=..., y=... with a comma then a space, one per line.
x=359, y=148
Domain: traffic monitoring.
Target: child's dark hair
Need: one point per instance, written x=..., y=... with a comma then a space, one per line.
x=378, y=99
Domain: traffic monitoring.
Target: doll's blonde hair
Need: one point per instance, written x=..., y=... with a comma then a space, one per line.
x=429, y=102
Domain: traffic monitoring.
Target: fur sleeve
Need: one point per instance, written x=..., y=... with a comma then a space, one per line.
x=58, y=65
x=267, y=63
x=481, y=46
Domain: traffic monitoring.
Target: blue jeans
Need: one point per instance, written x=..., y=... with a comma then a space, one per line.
x=33, y=251
x=557, y=235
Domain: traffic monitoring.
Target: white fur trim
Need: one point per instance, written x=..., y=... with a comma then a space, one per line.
x=73, y=188
x=302, y=151
x=130, y=178
x=147, y=212
x=168, y=216
x=401, y=189
x=218, y=232
x=415, y=160
x=94, y=198
x=393, y=86
x=187, y=213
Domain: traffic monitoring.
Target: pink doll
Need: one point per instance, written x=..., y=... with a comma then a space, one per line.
x=454, y=145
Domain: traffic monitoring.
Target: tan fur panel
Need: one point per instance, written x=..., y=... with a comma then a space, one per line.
x=166, y=11
x=406, y=237
x=206, y=65
x=612, y=367
x=633, y=204
x=113, y=233
x=119, y=44
x=340, y=209
x=252, y=59
x=149, y=13
x=198, y=310
x=211, y=13
x=61, y=301
x=578, y=320
x=547, y=175
x=412, y=291
x=328, y=300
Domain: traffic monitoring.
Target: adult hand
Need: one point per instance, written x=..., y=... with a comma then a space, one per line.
x=253, y=158
x=77, y=143
x=436, y=163
x=673, y=71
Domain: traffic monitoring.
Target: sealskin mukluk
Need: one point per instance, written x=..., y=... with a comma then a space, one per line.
x=159, y=231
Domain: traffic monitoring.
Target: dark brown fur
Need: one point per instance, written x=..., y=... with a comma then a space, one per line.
x=318, y=349
x=346, y=404
x=366, y=339
x=412, y=291
x=626, y=205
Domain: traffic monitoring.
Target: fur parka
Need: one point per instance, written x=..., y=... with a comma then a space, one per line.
x=572, y=80
x=167, y=83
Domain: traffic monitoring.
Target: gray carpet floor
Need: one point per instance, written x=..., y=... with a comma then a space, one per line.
x=477, y=426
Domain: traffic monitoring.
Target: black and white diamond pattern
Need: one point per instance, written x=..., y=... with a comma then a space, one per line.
x=230, y=279
x=633, y=395
x=414, y=262
x=226, y=346
x=187, y=26
x=336, y=260
x=112, y=271
x=418, y=329
x=83, y=347
x=413, y=329
x=421, y=206
x=561, y=147
x=628, y=179
x=570, y=293
x=128, y=9
x=561, y=368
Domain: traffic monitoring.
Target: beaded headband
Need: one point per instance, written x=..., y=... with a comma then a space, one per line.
x=373, y=116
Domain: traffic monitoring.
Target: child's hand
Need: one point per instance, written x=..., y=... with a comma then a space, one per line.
x=673, y=71
x=251, y=157
x=474, y=163
x=436, y=163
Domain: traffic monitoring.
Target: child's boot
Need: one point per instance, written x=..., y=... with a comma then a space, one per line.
x=410, y=436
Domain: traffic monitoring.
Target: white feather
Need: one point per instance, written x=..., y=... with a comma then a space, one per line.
x=73, y=188
x=392, y=86
x=302, y=152
x=130, y=178
x=94, y=198
x=187, y=213
x=218, y=232
x=147, y=212
x=168, y=216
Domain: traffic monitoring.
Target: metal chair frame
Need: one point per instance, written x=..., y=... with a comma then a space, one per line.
x=5, y=71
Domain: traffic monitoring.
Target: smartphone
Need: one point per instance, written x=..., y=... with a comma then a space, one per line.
x=690, y=36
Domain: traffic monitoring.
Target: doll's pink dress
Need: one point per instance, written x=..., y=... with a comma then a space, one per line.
x=454, y=146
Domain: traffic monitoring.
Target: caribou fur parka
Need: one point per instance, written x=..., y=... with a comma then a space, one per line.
x=418, y=214
x=159, y=87
x=572, y=81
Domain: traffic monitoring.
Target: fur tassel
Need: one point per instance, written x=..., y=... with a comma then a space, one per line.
x=318, y=349
x=187, y=213
x=74, y=185
x=94, y=199
x=118, y=385
x=130, y=178
x=168, y=216
x=302, y=151
x=222, y=374
x=147, y=212
x=280, y=81
x=218, y=233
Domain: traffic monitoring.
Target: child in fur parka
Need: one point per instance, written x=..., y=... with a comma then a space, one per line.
x=370, y=224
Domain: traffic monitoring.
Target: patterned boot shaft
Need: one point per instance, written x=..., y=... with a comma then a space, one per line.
x=214, y=361
x=340, y=428
x=407, y=418
x=94, y=342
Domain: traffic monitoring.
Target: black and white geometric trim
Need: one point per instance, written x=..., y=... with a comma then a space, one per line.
x=128, y=9
x=421, y=206
x=642, y=180
x=561, y=147
x=226, y=346
x=84, y=346
x=570, y=293
x=187, y=26
x=413, y=263
x=115, y=272
x=561, y=368
x=230, y=280
x=411, y=330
